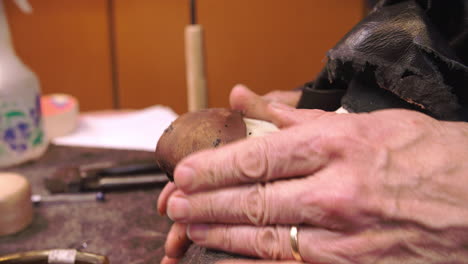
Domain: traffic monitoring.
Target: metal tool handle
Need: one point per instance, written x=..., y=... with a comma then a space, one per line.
x=117, y=168
x=129, y=182
x=131, y=169
x=67, y=198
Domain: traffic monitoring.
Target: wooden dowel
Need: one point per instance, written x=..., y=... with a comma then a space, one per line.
x=195, y=68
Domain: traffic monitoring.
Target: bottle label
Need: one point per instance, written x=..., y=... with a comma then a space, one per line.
x=20, y=127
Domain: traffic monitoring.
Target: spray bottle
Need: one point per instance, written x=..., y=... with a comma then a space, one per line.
x=21, y=132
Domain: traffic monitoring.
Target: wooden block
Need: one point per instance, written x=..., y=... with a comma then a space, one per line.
x=15, y=203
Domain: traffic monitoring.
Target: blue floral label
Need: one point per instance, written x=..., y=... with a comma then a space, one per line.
x=20, y=127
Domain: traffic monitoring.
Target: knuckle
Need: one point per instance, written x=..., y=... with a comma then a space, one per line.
x=344, y=197
x=304, y=155
x=333, y=209
x=318, y=214
x=274, y=94
x=420, y=122
x=342, y=209
x=346, y=146
x=268, y=243
x=253, y=162
x=341, y=200
x=349, y=126
x=254, y=205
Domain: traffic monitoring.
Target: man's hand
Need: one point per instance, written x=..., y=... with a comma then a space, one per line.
x=253, y=106
x=385, y=187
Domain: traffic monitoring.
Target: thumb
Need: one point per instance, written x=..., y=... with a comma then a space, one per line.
x=254, y=106
x=249, y=103
x=284, y=116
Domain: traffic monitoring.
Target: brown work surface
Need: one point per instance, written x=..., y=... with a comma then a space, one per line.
x=126, y=228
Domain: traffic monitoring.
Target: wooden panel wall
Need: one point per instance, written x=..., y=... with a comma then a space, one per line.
x=67, y=44
x=150, y=52
x=266, y=44
x=270, y=44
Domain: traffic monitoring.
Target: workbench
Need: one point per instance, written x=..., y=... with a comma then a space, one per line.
x=126, y=227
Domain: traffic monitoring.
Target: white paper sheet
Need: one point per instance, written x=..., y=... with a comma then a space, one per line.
x=136, y=130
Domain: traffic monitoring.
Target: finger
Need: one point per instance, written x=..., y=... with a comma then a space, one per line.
x=163, y=196
x=315, y=245
x=177, y=241
x=285, y=116
x=290, y=98
x=313, y=200
x=272, y=242
x=279, y=202
x=245, y=261
x=168, y=260
x=284, y=154
x=248, y=102
x=270, y=107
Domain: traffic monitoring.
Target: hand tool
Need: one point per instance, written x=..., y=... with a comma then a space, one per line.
x=105, y=176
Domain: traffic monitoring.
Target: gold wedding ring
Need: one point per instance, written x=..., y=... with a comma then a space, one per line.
x=293, y=235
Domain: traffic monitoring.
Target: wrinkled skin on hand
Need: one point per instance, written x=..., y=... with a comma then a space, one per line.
x=384, y=187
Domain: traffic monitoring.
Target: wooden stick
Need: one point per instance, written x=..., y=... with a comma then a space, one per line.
x=195, y=68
